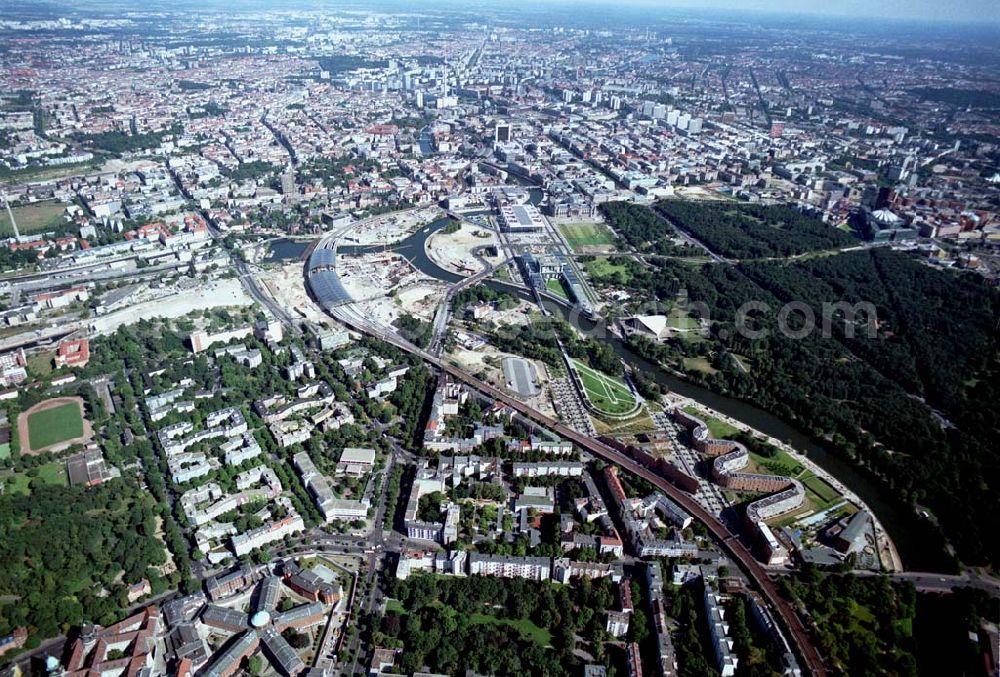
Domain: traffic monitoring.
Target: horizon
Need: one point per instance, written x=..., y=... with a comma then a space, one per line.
x=971, y=13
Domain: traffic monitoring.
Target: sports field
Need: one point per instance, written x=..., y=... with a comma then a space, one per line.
x=580, y=235
x=606, y=394
x=54, y=425
x=33, y=218
x=678, y=320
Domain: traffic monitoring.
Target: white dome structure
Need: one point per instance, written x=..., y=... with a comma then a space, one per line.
x=884, y=217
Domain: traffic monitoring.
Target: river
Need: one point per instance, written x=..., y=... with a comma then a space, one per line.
x=911, y=535
x=285, y=249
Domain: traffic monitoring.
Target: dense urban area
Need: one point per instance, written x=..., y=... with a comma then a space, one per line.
x=343, y=340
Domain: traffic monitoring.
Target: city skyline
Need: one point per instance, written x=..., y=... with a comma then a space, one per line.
x=981, y=13
x=505, y=338
x=927, y=11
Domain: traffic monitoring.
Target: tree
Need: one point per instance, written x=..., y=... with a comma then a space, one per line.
x=255, y=664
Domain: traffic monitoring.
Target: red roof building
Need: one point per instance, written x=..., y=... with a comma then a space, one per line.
x=15, y=640
x=73, y=353
x=133, y=639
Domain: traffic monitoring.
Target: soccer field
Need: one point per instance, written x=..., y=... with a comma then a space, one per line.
x=605, y=394
x=586, y=234
x=58, y=424
x=33, y=218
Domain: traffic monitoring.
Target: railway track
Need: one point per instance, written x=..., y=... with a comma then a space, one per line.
x=727, y=540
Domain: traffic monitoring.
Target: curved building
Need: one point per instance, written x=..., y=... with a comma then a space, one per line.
x=323, y=279
x=730, y=458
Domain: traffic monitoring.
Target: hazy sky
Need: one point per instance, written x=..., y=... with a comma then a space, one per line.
x=930, y=10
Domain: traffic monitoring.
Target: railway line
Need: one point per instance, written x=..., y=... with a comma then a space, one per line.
x=728, y=541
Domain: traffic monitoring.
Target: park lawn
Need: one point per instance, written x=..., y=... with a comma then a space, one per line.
x=640, y=423
x=53, y=473
x=50, y=473
x=40, y=364
x=824, y=494
x=720, y=430
x=33, y=218
x=580, y=235
x=862, y=614
x=525, y=626
x=605, y=393
x=781, y=464
x=556, y=287
x=817, y=503
x=55, y=425
x=699, y=364
x=743, y=361
x=821, y=487
x=601, y=267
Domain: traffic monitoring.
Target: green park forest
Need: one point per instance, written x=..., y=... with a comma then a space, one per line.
x=67, y=544
x=868, y=399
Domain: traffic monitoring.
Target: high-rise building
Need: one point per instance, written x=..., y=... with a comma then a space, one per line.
x=502, y=132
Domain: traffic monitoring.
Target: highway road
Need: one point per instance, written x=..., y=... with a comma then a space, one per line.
x=927, y=581
x=933, y=582
x=250, y=284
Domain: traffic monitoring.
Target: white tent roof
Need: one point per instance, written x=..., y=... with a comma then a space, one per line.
x=654, y=324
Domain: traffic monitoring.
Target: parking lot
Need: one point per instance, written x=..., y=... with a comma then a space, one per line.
x=570, y=408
